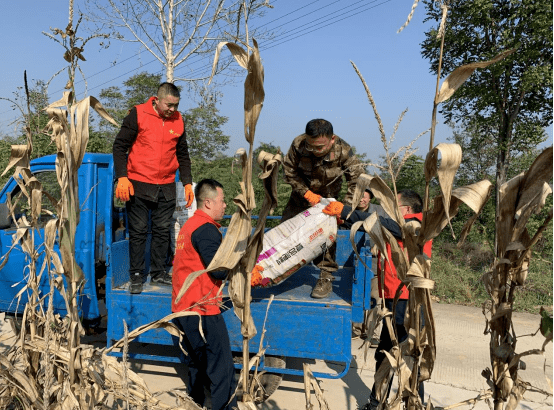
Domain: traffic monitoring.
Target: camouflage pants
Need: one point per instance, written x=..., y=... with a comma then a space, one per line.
x=326, y=262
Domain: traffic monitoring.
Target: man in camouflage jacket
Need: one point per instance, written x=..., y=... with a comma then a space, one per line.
x=314, y=166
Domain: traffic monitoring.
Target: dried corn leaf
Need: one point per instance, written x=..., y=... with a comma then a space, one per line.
x=460, y=74
x=534, y=204
x=451, y=158
x=508, y=193
x=26, y=384
x=270, y=173
x=419, y=272
x=115, y=372
x=362, y=183
x=435, y=220
x=381, y=237
x=241, y=57
x=270, y=164
x=239, y=284
x=382, y=192
x=19, y=157
x=538, y=174
x=65, y=101
x=403, y=373
x=164, y=323
x=254, y=93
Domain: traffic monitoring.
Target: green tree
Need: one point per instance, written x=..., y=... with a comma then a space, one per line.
x=136, y=90
x=205, y=137
x=36, y=118
x=203, y=123
x=227, y=171
x=411, y=175
x=478, y=163
x=5, y=151
x=512, y=98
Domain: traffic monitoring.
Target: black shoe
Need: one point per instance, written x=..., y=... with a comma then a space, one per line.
x=322, y=288
x=372, y=403
x=135, y=287
x=161, y=279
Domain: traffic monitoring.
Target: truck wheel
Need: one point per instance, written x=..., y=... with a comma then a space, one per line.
x=266, y=383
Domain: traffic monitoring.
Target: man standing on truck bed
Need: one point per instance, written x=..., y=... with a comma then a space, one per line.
x=147, y=151
x=314, y=166
x=211, y=361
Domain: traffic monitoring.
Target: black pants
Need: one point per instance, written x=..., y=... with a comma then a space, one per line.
x=327, y=261
x=386, y=343
x=137, y=213
x=210, y=363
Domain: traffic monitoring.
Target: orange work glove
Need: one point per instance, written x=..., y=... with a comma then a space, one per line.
x=312, y=198
x=257, y=278
x=189, y=194
x=124, y=189
x=334, y=208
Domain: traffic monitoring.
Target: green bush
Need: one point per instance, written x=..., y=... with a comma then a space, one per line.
x=458, y=277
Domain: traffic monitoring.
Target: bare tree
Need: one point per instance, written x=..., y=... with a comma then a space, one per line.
x=175, y=30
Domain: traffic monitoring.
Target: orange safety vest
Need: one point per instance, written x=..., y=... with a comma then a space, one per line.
x=153, y=155
x=203, y=292
x=388, y=291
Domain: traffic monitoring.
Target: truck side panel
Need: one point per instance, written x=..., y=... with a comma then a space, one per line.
x=95, y=180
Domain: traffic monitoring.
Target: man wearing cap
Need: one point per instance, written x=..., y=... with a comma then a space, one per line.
x=314, y=168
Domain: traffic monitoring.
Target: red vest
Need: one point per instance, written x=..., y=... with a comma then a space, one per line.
x=153, y=155
x=203, y=292
x=391, y=278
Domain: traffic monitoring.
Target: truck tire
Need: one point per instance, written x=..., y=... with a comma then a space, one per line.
x=268, y=382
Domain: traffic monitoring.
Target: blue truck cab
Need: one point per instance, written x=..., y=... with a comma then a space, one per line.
x=297, y=326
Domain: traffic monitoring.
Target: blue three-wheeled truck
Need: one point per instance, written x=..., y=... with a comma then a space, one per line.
x=297, y=326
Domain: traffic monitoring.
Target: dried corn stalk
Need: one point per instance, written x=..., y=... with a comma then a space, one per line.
x=48, y=367
x=520, y=198
x=311, y=382
x=239, y=250
x=102, y=378
x=416, y=355
x=413, y=268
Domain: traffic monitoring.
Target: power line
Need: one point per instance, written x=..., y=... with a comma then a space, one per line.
x=284, y=38
x=300, y=29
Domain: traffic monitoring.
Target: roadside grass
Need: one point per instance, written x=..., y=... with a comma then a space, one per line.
x=457, y=274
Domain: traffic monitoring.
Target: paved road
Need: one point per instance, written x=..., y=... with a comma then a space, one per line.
x=462, y=354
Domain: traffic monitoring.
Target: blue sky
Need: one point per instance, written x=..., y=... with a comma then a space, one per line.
x=308, y=77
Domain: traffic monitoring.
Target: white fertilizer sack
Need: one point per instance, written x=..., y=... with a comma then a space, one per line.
x=181, y=213
x=295, y=243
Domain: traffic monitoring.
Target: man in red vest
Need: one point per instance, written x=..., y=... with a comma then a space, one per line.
x=411, y=207
x=147, y=151
x=211, y=361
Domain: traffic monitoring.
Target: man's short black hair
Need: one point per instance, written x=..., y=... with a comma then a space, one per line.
x=371, y=196
x=318, y=127
x=412, y=199
x=168, y=89
x=207, y=188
